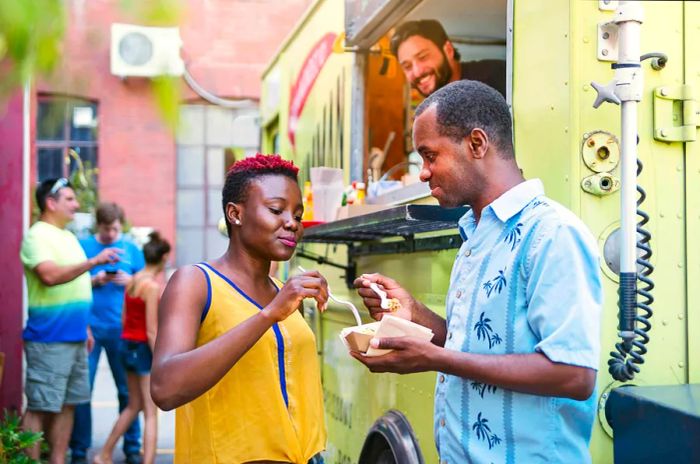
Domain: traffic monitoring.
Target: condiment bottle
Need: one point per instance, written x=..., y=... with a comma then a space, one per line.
x=308, y=202
x=360, y=193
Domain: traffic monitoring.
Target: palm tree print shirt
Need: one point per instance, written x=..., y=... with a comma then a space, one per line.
x=526, y=279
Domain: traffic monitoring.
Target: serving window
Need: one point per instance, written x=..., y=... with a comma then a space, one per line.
x=476, y=29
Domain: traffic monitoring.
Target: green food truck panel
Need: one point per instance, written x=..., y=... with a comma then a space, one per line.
x=335, y=96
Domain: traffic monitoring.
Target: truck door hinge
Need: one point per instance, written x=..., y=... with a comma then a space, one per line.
x=676, y=114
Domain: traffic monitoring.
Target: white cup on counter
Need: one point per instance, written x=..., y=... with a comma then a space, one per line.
x=327, y=188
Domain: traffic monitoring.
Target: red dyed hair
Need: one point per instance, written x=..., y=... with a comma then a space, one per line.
x=261, y=162
x=244, y=171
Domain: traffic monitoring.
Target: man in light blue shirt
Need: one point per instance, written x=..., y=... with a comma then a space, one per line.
x=518, y=353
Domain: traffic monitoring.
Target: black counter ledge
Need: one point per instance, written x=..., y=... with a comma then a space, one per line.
x=400, y=221
x=388, y=231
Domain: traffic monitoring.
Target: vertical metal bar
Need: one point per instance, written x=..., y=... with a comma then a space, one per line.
x=628, y=75
x=628, y=191
x=26, y=156
x=629, y=37
x=357, y=116
x=509, y=54
x=26, y=180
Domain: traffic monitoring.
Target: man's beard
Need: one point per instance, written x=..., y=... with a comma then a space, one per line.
x=443, y=75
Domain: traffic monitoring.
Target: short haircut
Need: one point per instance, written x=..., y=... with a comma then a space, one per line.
x=243, y=172
x=109, y=212
x=462, y=106
x=155, y=248
x=427, y=28
x=43, y=191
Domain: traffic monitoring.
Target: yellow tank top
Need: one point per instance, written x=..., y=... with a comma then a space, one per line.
x=269, y=406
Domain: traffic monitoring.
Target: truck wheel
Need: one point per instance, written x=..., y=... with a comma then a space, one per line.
x=391, y=441
x=386, y=457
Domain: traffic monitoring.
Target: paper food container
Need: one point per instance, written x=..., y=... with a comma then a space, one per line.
x=357, y=338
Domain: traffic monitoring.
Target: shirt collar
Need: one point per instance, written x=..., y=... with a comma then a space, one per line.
x=505, y=206
x=467, y=224
x=97, y=239
x=515, y=199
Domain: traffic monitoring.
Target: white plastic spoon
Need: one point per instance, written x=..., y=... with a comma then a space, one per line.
x=386, y=302
x=355, y=312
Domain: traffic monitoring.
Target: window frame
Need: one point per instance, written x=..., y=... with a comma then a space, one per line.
x=65, y=142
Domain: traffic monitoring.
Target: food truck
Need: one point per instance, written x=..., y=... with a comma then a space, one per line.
x=334, y=96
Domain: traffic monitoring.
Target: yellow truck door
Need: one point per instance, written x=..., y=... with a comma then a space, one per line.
x=558, y=49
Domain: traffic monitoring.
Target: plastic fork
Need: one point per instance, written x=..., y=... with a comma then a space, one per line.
x=355, y=312
x=386, y=302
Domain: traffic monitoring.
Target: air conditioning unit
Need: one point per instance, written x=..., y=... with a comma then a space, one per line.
x=145, y=51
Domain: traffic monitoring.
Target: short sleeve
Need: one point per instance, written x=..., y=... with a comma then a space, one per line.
x=88, y=244
x=137, y=260
x=565, y=297
x=35, y=250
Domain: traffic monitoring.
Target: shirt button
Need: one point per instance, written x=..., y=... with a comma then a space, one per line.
x=459, y=294
x=442, y=378
x=468, y=253
x=449, y=335
x=442, y=422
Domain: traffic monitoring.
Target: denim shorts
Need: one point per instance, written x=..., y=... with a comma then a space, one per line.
x=318, y=459
x=136, y=356
x=57, y=375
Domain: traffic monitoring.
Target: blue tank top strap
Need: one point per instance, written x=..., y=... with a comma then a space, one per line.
x=275, y=327
x=207, y=305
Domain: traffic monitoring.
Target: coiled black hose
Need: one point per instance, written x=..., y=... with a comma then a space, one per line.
x=629, y=355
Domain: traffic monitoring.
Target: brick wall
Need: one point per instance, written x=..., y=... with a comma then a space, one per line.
x=227, y=43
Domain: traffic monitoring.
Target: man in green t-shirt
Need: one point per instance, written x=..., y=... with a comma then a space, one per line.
x=56, y=333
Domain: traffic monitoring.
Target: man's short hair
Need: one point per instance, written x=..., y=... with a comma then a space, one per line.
x=464, y=105
x=109, y=212
x=427, y=28
x=49, y=188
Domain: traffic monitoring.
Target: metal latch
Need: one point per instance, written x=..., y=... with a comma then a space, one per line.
x=676, y=114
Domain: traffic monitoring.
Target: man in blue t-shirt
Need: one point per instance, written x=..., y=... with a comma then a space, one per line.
x=105, y=322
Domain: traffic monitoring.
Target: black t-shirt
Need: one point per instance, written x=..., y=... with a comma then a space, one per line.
x=490, y=72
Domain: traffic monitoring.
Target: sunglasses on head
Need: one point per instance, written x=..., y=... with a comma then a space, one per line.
x=58, y=185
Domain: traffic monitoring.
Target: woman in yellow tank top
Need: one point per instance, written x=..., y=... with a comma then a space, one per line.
x=233, y=354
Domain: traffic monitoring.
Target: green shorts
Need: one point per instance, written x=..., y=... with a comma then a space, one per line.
x=57, y=375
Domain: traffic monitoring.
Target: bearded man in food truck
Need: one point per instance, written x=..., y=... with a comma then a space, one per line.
x=517, y=355
x=429, y=59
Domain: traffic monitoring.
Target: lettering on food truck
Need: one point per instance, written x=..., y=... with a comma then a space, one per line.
x=305, y=80
x=338, y=409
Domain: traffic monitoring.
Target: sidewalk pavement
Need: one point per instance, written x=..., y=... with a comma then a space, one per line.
x=105, y=412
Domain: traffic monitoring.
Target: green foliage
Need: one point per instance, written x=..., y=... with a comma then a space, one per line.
x=84, y=182
x=36, y=212
x=13, y=440
x=154, y=12
x=30, y=40
x=166, y=91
